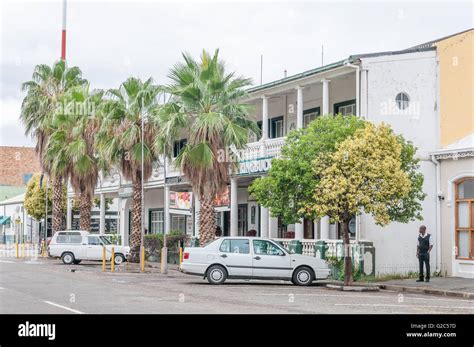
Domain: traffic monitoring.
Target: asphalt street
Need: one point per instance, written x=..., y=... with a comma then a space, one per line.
x=48, y=286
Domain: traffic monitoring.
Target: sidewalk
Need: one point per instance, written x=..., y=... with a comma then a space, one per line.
x=444, y=286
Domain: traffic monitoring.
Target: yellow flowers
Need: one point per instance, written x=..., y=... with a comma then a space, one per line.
x=364, y=174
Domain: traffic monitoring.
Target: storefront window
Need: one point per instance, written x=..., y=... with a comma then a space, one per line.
x=465, y=218
x=178, y=223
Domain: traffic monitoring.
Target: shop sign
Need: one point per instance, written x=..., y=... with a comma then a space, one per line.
x=254, y=166
x=181, y=200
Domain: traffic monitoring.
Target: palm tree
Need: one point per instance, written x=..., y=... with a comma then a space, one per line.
x=206, y=103
x=71, y=146
x=120, y=140
x=43, y=92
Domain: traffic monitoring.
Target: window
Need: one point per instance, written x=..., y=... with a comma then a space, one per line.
x=69, y=238
x=157, y=222
x=264, y=247
x=345, y=108
x=178, y=223
x=240, y=246
x=178, y=147
x=465, y=218
x=402, y=100
x=275, y=127
x=27, y=177
x=93, y=240
x=310, y=115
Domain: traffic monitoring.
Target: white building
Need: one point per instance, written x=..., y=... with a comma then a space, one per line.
x=399, y=88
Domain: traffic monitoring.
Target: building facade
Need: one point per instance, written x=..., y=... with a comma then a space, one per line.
x=401, y=88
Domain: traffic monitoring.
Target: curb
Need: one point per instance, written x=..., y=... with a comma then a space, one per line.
x=356, y=288
x=423, y=290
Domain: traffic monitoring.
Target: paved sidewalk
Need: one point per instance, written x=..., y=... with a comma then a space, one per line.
x=446, y=286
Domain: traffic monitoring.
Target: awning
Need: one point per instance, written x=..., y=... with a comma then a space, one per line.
x=5, y=220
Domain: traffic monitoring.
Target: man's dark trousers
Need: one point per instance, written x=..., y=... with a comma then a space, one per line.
x=424, y=258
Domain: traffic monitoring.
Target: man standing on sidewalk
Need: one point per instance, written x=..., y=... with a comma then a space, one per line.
x=425, y=244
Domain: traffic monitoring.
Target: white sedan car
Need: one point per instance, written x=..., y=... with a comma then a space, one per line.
x=251, y=258
x=73, y=246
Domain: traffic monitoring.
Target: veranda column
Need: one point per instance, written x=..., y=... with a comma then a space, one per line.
x=264, y=118
x=325, y=220
x=325, y=228
x=263, y=221
x=299, y=227
x=197, y=209
x=167, y=209
x=69, y=213
x=325, y=96
x=102, y=214
x=234, y=207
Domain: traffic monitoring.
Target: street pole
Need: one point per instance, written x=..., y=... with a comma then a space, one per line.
x=45, y=231
x=142, y=242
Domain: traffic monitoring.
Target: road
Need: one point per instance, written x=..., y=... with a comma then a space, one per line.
x=47, y=286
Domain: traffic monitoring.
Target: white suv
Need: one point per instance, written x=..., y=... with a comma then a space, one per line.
x=73, y=246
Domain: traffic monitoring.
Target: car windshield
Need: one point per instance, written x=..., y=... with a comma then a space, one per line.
x=105, y=240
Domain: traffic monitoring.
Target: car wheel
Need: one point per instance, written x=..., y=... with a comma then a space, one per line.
x=118, y=259
x=216, y=274
x=77, y=262
x=68, y=258
x=303, y=276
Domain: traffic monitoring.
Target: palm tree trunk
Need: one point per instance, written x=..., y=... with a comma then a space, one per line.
x=85, y=212
x=207, y=220
x=57, y=204
x=136, y=235
x=347, y=253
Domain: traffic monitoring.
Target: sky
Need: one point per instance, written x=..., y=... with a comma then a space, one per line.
x=113, y=40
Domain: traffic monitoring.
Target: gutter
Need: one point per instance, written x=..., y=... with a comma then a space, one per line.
x=438, y=212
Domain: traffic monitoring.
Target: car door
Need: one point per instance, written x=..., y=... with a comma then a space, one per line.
x=270, y=260
x=93, y=248
x=236, y=255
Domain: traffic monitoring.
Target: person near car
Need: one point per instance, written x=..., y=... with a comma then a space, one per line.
x=423, y=249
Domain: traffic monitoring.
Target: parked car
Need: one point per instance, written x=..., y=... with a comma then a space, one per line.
x=251, y=258
x=74, y=246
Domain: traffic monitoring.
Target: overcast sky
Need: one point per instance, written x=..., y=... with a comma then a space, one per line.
x=113, y=40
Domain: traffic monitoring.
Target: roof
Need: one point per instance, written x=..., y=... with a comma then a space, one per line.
x=19, y=199
x=427, y=46
x=7, y=192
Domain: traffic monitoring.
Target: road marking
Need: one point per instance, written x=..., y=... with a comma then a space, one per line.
x=6, y=261
x=367, y=296
x=401, y=305
x=1, y=288
x=63, y=307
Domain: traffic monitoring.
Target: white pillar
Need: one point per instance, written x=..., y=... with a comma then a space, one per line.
x=167, y=209
x=325, y=96
x=299, y=107
x=264, y=118
x=69, y=213
x=124, y=220
x=119, y=218
x=299, y=231
x=234, y=207
x=197, y=209
x=102, y=214
x=363, y=94
x=325, y=228
x=263, y=222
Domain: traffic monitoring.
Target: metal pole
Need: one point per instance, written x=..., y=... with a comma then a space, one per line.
x=142, y=243
x=45, y=231
x=63, y=32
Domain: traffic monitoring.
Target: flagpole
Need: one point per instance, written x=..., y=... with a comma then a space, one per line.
x=63, y=32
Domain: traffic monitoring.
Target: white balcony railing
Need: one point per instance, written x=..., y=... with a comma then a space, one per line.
x=254, y=150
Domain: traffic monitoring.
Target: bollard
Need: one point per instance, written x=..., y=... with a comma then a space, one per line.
x=180, y=255
x=16, y=250
x=103, y=259
x=42, y=248
x=142, y=258
x=112, y=262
